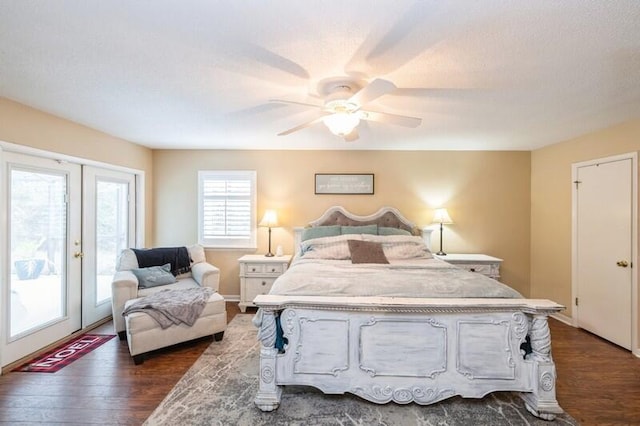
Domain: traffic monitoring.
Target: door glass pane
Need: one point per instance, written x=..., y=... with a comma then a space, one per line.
x=111, y=232
x=37, y=223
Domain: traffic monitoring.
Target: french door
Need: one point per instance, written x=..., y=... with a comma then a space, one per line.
x=43, y=269
x=107, y=228
x=66, y=224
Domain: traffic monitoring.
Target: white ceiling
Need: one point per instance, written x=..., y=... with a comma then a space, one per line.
x=492, y=74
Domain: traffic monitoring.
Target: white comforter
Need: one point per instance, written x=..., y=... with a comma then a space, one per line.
x=401, y=278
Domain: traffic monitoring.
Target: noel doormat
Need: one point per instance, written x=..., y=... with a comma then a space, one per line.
x=65, y=354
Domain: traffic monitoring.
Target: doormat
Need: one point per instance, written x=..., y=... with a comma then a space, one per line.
x=65, y=354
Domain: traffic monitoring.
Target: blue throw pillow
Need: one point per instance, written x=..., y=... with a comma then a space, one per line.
x=364, y=229
x=320, y=231
x=154, y=276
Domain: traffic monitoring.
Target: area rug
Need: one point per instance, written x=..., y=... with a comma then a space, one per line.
x=65, y=354
x=220, y=387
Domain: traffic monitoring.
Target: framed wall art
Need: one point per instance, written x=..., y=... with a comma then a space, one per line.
x=345, y=183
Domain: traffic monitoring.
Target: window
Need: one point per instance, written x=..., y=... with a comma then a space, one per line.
x=227, y=208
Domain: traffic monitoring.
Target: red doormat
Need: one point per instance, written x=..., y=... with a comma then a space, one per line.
x=65, y=354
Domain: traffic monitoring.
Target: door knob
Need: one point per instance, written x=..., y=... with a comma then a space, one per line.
x=622, y=263
x=78, y=254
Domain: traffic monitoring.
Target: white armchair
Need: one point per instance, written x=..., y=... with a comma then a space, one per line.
x=125, y=284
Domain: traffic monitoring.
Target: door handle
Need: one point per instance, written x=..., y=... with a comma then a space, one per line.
x=622, y=263
x=78, y=254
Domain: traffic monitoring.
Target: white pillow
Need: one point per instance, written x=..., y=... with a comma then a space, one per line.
x=126, y=261
x=196, y=252
x=401, y=246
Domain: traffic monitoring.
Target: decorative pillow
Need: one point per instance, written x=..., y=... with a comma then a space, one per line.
x=126, y=261
x=196, y=253
x=154, y=276
x=401, y=246
x=320, y=231
x=385, y=230
x=334, y=248
x=363, y=229
x=366, y=252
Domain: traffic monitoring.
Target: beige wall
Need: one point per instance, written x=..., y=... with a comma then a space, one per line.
x=514, y=205
x=26, y=126
x=494, y=197
x=487, y=194
x=551, y=190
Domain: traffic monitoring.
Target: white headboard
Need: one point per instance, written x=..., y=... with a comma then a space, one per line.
x=386, y=216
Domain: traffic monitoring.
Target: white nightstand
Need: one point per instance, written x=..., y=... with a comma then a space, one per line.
x=481, y=263
x=257, y=274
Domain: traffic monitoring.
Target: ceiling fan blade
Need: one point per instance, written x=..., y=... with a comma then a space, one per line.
x=440, y=92
x=384, y=52
x=255, y=110
x=372, y=91
x=283, y=101
x=301, y=126
x=384, y=117
x=274, y=60
x=353, y=136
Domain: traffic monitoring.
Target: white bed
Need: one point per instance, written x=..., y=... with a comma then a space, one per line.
x=399, y=332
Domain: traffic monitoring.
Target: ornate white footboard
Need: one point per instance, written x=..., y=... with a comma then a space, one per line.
x=409, y=350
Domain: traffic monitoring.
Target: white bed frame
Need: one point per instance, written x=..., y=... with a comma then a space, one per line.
x=408, y=349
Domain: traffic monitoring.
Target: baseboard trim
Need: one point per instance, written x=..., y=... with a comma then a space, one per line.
x=563, y=318
x=231, y=297
x=569, y=321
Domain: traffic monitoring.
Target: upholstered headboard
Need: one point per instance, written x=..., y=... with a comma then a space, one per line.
x=385, y=217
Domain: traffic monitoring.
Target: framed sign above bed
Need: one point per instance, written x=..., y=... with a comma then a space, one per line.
x=347, y=183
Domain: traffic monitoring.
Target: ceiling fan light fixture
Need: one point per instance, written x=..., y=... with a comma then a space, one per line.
x=345, y=105
x=341, y=123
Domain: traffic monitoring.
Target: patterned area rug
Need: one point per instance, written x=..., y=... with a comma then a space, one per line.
x=220, y=387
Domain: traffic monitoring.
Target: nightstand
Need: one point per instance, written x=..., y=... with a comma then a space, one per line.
x=257, y=274
x=481, y=263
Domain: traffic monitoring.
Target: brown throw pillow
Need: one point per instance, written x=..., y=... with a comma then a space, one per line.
x=366, y=252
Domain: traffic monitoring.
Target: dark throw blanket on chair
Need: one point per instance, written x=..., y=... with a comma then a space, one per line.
x=177, y=256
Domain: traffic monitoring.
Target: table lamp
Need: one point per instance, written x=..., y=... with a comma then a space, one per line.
x=269, y=220
x=441, y=216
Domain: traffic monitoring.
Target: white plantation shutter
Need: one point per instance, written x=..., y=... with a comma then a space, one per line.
x=227, y=202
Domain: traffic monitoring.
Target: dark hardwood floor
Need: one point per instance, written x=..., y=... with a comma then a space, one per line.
x=598, y=382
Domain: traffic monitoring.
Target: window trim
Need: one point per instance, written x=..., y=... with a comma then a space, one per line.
x=228, y=243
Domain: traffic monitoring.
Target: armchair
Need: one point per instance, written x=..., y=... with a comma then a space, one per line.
x=124, y=286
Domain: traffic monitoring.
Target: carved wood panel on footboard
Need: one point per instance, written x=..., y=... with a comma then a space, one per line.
x=410, y=353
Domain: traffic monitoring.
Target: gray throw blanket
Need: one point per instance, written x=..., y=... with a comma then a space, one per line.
x=169, y=307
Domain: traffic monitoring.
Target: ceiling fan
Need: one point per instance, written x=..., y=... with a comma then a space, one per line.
x=344, y=107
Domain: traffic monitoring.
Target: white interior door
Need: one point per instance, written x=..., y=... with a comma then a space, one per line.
x=41, y=275
x=604, y=227
x=108, y=228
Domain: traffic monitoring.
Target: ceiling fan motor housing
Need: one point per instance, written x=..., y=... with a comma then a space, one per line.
x=338, y=99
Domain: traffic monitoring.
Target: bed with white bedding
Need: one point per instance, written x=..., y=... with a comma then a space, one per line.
x=402, y=326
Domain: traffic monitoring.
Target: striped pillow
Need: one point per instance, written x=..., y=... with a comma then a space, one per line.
x=401, y=246
x=335, y=248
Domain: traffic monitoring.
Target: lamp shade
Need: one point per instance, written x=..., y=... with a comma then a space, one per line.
x=442, y=216
x=270, y=219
